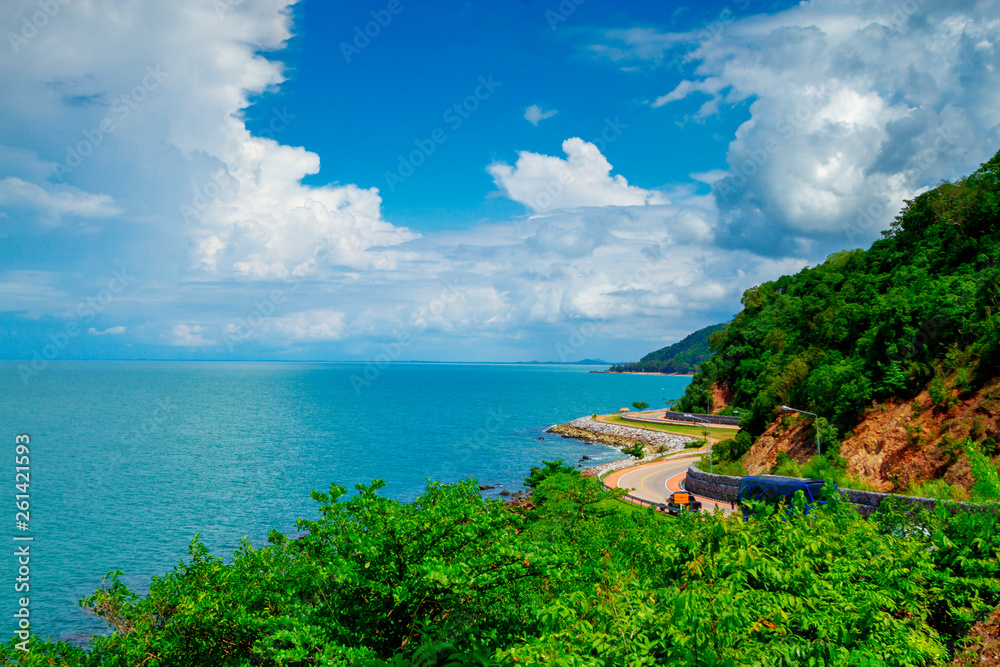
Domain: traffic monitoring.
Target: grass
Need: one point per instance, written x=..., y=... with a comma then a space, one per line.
x=693, y=431
x=626, y=506
x=937, y=488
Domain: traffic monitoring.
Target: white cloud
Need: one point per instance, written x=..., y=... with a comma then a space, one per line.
x=311, y=325
x=545, y=183
x=113, y=331
x=52, y=202
x=153, y=120
x=189, y=335
x=534, y=114
x=597, y=263
x=855, y=106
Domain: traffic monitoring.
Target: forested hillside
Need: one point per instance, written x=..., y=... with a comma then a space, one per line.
x=684, y=356
x=910, y=323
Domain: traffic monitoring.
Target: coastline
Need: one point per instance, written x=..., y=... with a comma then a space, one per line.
x=678, y=375
x=655, y=443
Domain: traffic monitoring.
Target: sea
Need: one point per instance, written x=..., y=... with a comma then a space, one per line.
x=129, y=461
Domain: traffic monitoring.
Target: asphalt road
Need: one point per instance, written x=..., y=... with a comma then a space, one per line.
x=657, y=481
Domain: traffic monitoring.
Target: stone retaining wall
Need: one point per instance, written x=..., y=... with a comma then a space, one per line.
x=717, y=487
x=725, y=488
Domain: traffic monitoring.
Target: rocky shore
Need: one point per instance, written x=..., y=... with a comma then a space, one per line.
x=655, y=443
x=616, y=435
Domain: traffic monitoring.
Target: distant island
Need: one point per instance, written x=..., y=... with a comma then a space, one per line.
x=582, y=362
x=681, y=358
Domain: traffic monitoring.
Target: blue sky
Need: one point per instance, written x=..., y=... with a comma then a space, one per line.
x=250, y=179
x=429, y=57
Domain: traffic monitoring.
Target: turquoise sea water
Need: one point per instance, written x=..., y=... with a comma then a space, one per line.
x=129, y=460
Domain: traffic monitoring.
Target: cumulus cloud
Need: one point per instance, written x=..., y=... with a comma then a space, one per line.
x=854, y=107
x=583, y=178
x=136, y=110
x=534, y=114
x=189, y=335
x=130, y=118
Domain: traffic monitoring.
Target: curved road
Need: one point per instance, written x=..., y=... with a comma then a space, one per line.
x=655, y=482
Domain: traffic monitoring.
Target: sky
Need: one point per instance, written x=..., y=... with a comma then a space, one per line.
x=400, y=180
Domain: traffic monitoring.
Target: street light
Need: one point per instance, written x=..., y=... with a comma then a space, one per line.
x=711, y=467
x=816, y=417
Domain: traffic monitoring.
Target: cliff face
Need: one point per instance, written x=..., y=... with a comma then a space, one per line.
x=722, y=397
x=898, y=443
x=793, y=437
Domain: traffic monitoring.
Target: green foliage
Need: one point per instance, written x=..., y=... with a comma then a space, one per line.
x=454, y=579
x=551, y=468
x=682, y=357
x=937, y=488
x=922, y=304
x=987, y=486
x=636, y=450
x=732, y=449
x=640, y=405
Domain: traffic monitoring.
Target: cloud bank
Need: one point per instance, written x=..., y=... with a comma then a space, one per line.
x=136, y=205
x=854, y=107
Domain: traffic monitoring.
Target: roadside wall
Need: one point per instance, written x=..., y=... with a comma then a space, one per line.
x=717, y=487
x=725, y=488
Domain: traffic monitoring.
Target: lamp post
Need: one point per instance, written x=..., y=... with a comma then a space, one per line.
x=819, y=451
x=711, y=467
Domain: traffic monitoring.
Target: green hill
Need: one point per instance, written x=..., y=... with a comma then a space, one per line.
x=681, y=357
x=916, y=313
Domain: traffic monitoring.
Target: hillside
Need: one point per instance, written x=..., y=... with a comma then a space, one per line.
x=684, y=356
x=895, y=347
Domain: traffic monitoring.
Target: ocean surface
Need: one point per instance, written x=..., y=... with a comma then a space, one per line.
x=129, y=460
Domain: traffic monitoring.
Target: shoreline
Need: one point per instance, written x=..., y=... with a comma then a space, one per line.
x=655, y=443
x=677, y=375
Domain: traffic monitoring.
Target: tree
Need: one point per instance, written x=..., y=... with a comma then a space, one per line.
x=640, y=405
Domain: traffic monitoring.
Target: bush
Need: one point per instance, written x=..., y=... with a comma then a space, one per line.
x=636, y=450
x=456, y=579
x=538, y=475
x=733, y=449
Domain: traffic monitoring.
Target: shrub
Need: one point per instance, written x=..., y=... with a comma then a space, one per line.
x=636, y=450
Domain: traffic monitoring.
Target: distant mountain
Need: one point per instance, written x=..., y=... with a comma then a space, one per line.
x=682, y=357
x=582, y=362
